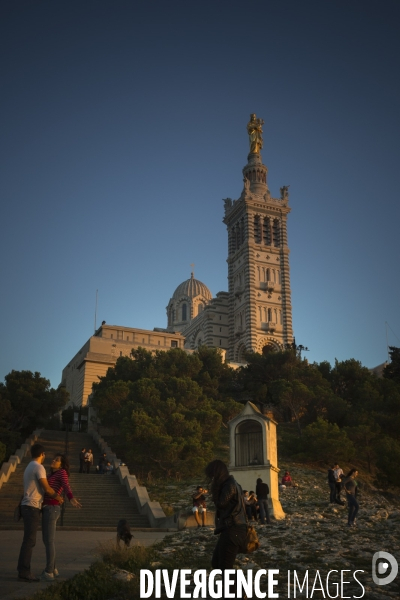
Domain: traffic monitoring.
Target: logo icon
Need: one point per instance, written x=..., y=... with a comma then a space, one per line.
x=382, y=562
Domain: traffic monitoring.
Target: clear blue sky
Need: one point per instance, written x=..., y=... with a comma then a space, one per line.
x=124, y=126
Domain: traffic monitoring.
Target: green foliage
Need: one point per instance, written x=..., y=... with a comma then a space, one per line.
x=323, y=441
x=392, y=370
x=26, y=402
x=169, y=407
x=387, y=460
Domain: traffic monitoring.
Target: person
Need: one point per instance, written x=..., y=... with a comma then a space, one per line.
x=253, y=504
x=332, y=485
x=35, y=484
x=350, y=487
x=199, y=505
x=82, y=465
x=58, y=480
x=102, y=463
x=88, y=460
x=108, y=469
x=338, y=480
x=287, y=480
x=247, y=504
x=230, y=516
x=262, y=492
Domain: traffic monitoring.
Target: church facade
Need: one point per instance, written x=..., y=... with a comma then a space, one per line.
x=254, y=315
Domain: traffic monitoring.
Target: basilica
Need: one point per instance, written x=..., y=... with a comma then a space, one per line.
x=254, y=315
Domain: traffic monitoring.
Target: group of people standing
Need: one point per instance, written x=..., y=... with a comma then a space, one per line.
x=256, y=503
x=86, y=462
x=41, y=504
x=339, y=482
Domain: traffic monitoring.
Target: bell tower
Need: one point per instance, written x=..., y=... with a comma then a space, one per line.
x=260, y=311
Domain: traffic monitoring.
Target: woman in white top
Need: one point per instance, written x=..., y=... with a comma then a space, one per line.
x=88, y=460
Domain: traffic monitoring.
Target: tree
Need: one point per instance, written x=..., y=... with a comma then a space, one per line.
x=169, y=406
x=323, y=441
x=26, y=402
x=32, y=400
x=387, y=460
x=392, y=370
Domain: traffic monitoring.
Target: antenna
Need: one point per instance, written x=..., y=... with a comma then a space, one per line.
x=95, y=312
x=387, y=342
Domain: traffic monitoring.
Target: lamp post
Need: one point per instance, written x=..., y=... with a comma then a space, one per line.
x=298, y=349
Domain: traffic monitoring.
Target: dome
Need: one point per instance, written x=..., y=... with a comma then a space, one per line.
x=192, y=287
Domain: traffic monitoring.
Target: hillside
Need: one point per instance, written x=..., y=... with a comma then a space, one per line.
x=314, y=536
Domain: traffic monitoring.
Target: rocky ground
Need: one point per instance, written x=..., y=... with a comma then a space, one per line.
x=314, y=537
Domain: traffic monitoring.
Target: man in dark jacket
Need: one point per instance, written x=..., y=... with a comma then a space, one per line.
x=262, y=492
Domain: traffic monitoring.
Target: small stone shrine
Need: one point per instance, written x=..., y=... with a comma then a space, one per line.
x=253, y=453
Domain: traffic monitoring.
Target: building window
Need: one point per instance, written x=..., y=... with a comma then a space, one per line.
x=174, y=344
x=276, y=233
x=200, y=308
x=184, y=312
x=158, y=342
x=112, y=336
x=127, y=338
x=120, y=352
x=257, y=230
x=142, y=340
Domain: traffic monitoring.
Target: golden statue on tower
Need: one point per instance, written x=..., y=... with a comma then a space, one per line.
x=254, y=129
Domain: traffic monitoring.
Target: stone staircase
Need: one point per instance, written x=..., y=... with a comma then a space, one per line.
x=104, y=500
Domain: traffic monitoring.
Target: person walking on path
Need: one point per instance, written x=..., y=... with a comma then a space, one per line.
x=230, y=517
x=35, y=484
x=82, y=465
x=332, y=485
x=350, y=487
x=88, y=460
x=338, y=472
x=199, y=505
x=262, y=493
x=58, y=480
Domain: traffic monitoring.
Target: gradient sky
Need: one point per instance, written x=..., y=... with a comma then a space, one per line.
x=124, y=126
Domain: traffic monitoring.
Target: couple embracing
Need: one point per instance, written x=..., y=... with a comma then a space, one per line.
x=42, y=501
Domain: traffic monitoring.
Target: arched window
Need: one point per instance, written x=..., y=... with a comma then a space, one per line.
x=200, y=308
x=249, y=444
x=269, y=315
x=267, y=231
x=184, y=311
